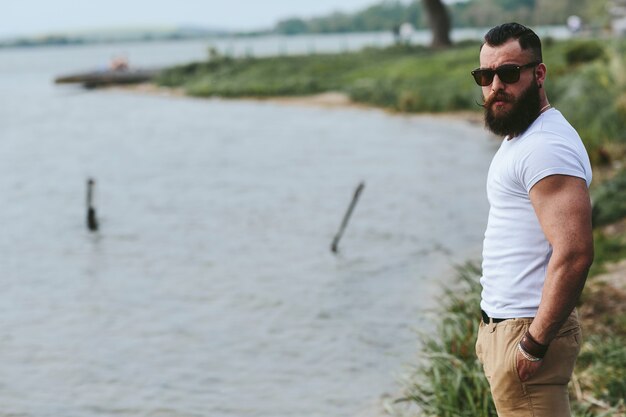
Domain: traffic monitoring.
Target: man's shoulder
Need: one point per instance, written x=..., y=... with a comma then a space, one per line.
x=552, y=124
x=552, y=147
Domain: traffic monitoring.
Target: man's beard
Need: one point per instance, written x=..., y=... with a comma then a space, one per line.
x=515, y=121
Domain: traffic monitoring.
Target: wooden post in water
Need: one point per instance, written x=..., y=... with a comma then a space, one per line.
x=346, y=217
x=92, y=220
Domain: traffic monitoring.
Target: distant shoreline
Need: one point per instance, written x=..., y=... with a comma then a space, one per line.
x=329, y=99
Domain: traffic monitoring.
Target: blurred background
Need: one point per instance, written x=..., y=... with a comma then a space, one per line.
x=225, y=140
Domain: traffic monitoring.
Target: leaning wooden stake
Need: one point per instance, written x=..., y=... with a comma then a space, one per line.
x=346, y=217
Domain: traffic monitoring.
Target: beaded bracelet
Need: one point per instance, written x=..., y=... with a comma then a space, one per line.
x=532, y=347
x=527, y=355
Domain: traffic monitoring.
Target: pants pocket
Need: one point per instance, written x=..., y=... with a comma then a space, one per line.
x=508, y=391
x=513, y=364
x=478, y=346
x=558, y=364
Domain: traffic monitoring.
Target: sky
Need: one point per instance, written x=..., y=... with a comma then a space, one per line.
x=38, y=17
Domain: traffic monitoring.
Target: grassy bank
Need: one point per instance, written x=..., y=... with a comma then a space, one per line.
x=587, y=82
x=392, y=78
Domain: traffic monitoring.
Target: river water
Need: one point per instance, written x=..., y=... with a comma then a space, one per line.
x=210, y=289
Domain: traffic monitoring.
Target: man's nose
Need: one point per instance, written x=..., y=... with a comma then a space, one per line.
x=497, y=84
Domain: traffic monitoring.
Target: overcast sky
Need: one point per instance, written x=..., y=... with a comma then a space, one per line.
x=33, y=17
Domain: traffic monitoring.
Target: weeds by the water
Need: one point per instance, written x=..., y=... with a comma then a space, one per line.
x=449, y=381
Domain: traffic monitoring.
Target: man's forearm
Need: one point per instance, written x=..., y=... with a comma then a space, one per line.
x=565, y=280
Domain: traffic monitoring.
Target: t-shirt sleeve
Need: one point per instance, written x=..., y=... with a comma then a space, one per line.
x=547, y=155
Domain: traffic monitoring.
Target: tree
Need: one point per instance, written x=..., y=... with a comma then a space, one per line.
x=439, y=21
x=291, y=26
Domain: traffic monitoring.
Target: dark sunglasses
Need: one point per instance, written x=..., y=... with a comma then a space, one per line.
x=508, y=73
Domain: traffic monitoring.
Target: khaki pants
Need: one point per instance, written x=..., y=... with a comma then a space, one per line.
x=545, y=393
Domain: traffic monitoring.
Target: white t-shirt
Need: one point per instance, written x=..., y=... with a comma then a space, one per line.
x=515, y=250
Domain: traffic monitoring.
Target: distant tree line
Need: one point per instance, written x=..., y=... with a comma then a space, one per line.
x=181, y=33
x=472, y=13
x=382, y=16
x=46, y=41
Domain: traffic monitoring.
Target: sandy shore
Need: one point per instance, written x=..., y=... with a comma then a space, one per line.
x=330, y=99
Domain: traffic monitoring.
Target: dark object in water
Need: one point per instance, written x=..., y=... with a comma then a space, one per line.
x=346, y=217
x=92, y=221
x=105, y=78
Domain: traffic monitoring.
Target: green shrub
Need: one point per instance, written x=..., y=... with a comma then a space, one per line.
x=587, y=97
x=582, y=52
x=609, y=200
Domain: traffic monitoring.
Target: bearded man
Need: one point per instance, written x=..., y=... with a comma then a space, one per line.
x=538, y=245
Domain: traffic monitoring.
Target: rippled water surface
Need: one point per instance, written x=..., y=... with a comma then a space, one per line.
x=210, y=289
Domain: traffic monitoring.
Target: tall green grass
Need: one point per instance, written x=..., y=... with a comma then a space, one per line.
x=449, y=381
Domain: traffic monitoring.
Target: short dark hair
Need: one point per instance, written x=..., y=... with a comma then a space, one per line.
x=525, y=36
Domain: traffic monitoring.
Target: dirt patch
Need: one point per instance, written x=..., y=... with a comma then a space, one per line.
x=603, y=304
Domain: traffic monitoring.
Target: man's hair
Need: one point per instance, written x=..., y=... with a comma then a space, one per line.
x=525, y=36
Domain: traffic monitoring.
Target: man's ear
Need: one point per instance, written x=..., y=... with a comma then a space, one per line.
x=540, y=74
